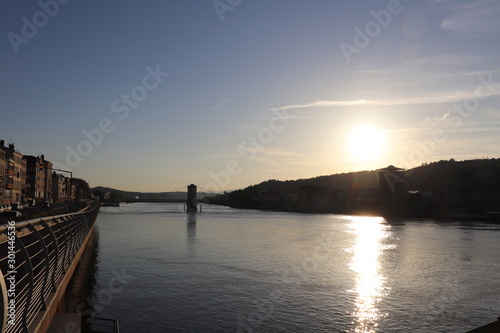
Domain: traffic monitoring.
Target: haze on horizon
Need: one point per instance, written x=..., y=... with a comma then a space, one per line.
x=225, y=94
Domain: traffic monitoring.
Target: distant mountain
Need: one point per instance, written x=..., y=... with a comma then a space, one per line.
x=120, y=195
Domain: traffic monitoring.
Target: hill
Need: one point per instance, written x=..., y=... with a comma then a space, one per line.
x=120, y=195
x=438, y=189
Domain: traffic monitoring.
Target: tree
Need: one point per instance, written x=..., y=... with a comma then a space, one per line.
x=99, y=194
x=81, y=184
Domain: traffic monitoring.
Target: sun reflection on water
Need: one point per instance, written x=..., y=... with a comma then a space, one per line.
x=370, y=286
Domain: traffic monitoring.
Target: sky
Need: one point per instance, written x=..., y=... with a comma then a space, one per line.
x=154, y=95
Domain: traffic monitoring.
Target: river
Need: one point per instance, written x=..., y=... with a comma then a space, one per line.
x=159, y=269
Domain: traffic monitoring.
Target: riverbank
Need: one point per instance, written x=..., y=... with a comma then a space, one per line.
x=491, y=217
x=39, y=211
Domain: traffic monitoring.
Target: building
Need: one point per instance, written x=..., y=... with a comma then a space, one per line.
x=393, y=192
x=59, y=188
x=314, y=198
x=15, y=174
x=47, y=170
x=30, y=179
x=70, y=190
x=3, y=168
x=35, y=179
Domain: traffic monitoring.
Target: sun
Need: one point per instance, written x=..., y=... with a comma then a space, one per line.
x=366, y=142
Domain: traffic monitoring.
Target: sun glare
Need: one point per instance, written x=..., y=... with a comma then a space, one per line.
x=366, y=142
x=371, y=234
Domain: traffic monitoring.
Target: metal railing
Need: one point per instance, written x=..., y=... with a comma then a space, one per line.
x=34, y=254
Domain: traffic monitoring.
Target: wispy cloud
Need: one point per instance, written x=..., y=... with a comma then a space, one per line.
x=373, y=71
x=434, y=121
x=323, y=104
x=279, y=153
x=455, y=60
x=222, y=155
x=414, y=100
x=474, y=17
x=219, y=105
x=278, y=157
x=262, y=153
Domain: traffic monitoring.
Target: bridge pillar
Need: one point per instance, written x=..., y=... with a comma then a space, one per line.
x=191, y=198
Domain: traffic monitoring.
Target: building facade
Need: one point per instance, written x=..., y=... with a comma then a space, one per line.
x=70, y=190
x=47, y=170
x=3, y=164
x=59, y=188
x=393, y=191
x=15, y=174
x=35, y=179
x=27, y=178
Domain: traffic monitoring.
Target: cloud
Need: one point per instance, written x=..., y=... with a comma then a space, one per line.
x=219, y=105
x=279, y=153
x=277, y=157
x=457, y=60
x=323, y=104
x=263, y=154
x=372, y=71
x=434, y=122
x=475, y=17
x=423, y=99
x=222, y=155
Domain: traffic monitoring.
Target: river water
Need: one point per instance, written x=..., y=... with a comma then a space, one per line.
x=160, y=269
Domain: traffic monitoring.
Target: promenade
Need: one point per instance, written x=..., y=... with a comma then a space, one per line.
x=39, y=257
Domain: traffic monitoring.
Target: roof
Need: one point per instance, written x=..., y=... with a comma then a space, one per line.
x=391, y=168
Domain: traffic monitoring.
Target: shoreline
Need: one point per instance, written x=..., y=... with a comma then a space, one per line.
x=493, y=218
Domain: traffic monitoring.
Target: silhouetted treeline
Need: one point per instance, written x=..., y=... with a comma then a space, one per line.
x=438, y=189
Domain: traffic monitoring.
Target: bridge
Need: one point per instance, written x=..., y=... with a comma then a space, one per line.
x=37, y=260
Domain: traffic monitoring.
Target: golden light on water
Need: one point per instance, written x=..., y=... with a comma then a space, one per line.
x=370, y=233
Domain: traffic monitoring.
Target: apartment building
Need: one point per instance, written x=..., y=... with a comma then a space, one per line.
x=47, y=169
x=59, y=187
x=15, y=174
x=35, y=179
x=27, y=178
x=3, y=168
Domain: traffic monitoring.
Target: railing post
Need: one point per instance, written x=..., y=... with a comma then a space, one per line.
x=26, y=273
x=4, y=302
x=62, y=247
x=43, y=247
x=68, y=226
x=56, y=255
